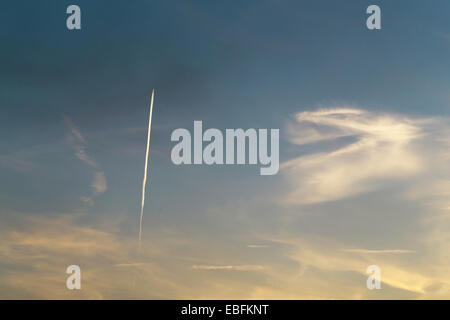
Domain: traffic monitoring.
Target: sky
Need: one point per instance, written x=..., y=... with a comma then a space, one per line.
x=364, y=120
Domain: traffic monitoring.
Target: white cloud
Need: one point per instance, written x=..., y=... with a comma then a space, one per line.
x=380, y=150
x=406, y=159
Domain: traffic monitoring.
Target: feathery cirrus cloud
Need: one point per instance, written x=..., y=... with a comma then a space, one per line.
x=378, y=149
x=78, y=143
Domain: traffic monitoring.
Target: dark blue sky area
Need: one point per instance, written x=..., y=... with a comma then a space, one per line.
x=229, y=63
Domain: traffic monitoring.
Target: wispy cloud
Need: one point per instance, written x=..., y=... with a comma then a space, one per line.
x=122, y=265
x=405, y=160
x=380, y=149
x=36, y=252
x=388, y=251
x=16, y=162
x=257, y=246
x=99, y=183
x=323, y=255
x=78, y=143
x=225, y=267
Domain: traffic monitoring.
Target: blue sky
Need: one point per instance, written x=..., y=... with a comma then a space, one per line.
x=249, y=64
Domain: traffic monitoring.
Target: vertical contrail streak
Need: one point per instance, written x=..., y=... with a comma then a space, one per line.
x=144, y=181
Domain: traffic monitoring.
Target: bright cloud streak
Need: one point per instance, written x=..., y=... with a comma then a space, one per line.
x=382, y=151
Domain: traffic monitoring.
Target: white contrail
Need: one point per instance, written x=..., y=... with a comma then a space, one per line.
x=146, y=165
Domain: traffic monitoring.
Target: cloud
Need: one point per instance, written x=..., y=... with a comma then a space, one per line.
x=257, y=246
x=35, y=252
x=368, y=251
x=379, y=149
x=16, y=162
x=235, y=268
x=324, y=255
x=36, y=255
x=402, y=161
x=121, y=265
x=78, y=143
x=99, y=183
x=321, y=253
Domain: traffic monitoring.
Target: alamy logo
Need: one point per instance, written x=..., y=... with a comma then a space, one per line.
x=374, y=280
x=73, y=21
x=74, y=280
x=374, y=20
x=235, y=147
